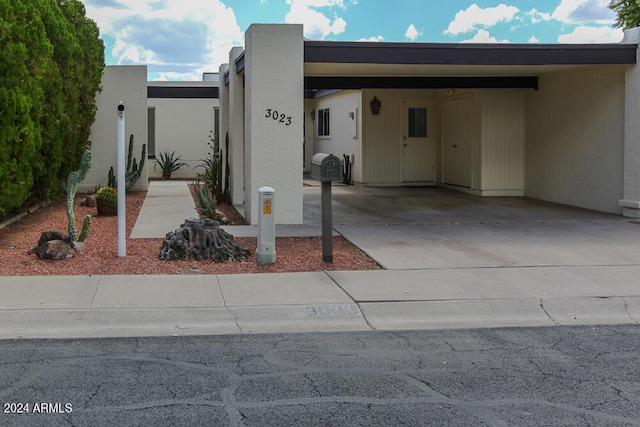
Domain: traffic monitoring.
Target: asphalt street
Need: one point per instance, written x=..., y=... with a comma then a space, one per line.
x=561, y=375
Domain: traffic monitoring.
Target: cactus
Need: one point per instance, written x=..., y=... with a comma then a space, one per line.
x=206, y=202
x=213, y=170
x=107, y=201
x=134, y=170
x=225, y=195
x=72, y=185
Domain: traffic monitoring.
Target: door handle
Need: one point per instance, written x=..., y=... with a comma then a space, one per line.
x=455, y=145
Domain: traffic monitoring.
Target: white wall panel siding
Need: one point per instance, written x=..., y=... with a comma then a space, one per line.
x=575, y=138
x=382, y=134
x=503, y=140
x=345, y=132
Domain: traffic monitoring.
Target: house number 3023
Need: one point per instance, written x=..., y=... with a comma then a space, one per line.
x=278, y=117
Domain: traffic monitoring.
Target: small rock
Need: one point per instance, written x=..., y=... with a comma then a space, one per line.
x=55, y=249
x=50, y=235
x=89, y=201
x=78, y=247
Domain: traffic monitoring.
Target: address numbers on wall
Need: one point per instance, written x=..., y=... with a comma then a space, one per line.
x=278, y=117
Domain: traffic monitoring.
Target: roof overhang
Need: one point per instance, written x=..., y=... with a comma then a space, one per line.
x=357, y=65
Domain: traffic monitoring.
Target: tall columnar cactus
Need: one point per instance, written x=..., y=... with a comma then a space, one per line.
x=134, y=169
x=226, y=196
x=72, y=185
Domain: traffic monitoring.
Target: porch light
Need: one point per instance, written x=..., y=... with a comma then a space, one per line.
x=375, y=106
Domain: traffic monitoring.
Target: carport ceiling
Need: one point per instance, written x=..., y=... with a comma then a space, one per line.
x=357, y=65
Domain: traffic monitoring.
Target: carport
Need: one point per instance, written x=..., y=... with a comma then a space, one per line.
x=543, y=121
x=549, y=122
x=407, y=228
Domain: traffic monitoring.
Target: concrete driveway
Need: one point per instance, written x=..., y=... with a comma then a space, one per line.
x=424, y=227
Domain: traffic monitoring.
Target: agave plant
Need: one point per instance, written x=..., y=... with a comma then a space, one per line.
x=206, y=203
x=168, y=163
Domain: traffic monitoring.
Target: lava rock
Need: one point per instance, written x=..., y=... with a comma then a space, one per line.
x=202, y=239
x=55, y=249
x=89, y=201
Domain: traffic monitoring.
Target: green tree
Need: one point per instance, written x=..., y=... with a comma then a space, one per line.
x=628, y=12
x=25, y=58
x=51, y=63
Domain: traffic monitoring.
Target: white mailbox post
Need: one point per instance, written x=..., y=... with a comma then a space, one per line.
x=122, y=209
x=266, y=252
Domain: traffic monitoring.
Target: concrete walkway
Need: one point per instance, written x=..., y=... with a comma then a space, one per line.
x=581, y=268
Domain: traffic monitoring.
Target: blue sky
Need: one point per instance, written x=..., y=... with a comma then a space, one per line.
x=181, y=39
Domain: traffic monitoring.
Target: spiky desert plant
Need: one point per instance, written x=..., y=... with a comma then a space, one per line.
x=72, y=185
x=168, y=163
x=134, y=169
x=107, y=201
x=227, y=170
x=206, y=203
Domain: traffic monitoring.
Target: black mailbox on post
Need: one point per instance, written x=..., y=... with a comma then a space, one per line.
x=326, y=167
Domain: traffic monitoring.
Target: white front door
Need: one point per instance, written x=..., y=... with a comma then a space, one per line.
x=457, y=132
x=418, y=148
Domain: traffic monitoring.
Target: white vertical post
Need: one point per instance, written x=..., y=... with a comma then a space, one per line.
x=122, y=209
x=266, y=253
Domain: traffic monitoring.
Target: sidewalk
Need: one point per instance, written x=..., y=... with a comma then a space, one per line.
x=470, y=290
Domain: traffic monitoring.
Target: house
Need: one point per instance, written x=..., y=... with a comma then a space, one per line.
x=552, y=122
x=166, y=116
x=559, y=123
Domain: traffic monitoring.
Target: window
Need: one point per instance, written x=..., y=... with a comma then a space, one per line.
x=151, y=132
x=417, y=122
x=323, y=122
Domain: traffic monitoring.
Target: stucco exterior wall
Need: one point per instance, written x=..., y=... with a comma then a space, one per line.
x=575, y=138
x=184, y=126
x=631, y=192
x=345, y=130
x=129, y=85
x=274, y=93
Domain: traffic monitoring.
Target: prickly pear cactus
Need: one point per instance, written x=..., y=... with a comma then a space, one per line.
x=107, y=201
x=72, y=185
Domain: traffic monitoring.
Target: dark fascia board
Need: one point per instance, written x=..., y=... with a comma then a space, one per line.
x=470, y=82
x=468, y=53
x=240, y=63
x=182, y=92
x=225, y=78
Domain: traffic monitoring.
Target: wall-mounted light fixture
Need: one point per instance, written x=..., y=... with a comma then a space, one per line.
x=451, y=91
x=375, y=106
x=351, y=115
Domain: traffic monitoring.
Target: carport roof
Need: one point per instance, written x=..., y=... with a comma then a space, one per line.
x=357, y=65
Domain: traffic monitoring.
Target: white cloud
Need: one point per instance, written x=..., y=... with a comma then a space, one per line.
x=372, y=39
x=533, y=40
x=575, y=11
x=537, y=16
x=412, y=33
x=483, y=36
x=587, y=34
x=474, y=17
x=170, y=38
x=316, y=24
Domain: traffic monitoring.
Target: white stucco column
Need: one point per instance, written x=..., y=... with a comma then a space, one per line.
x=274, y=96
x=236, y=128
x=631, y=191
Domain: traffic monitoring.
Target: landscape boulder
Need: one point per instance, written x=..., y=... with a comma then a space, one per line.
x=202, y=239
